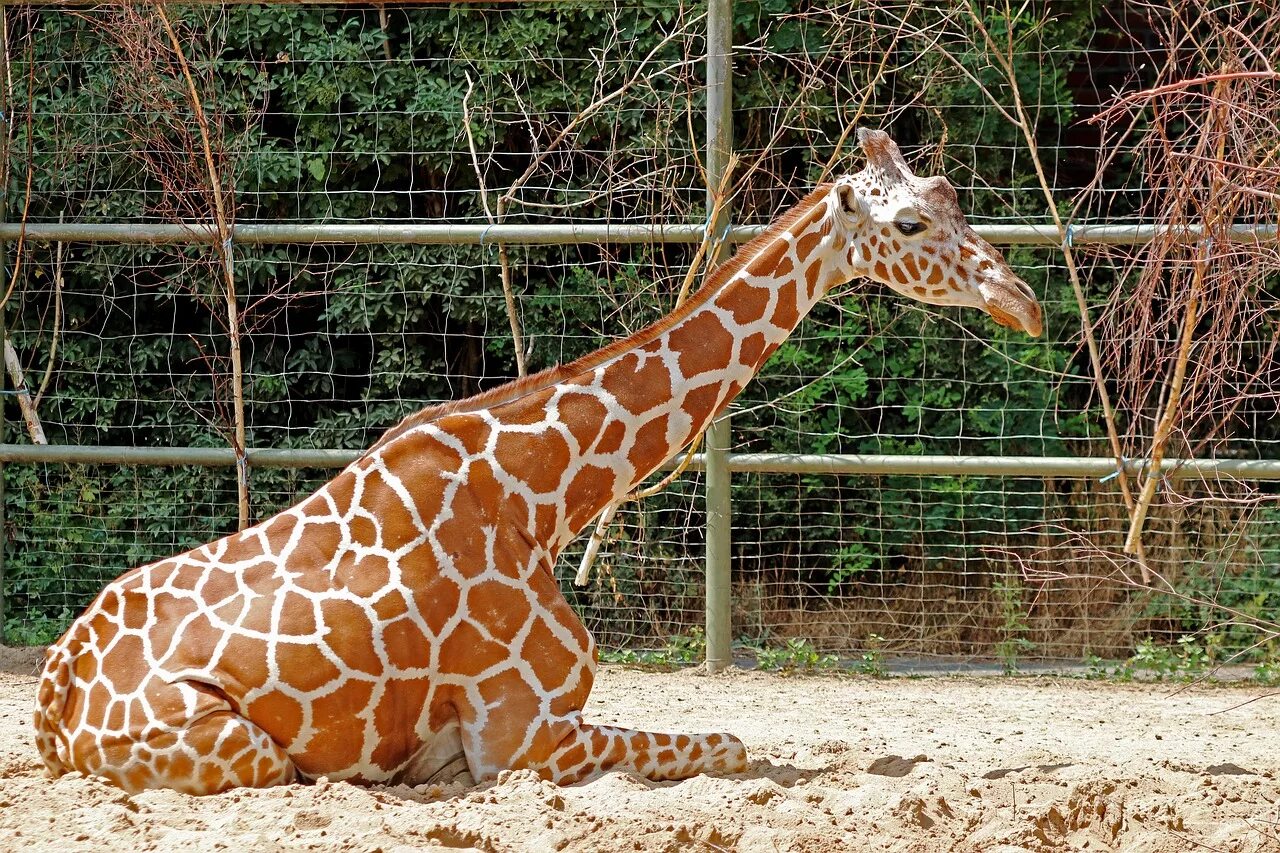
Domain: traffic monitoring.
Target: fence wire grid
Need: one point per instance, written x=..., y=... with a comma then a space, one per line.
x=596, y=113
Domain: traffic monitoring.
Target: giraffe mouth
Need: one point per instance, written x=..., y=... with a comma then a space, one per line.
x=1013, y=305
x=1003, y=319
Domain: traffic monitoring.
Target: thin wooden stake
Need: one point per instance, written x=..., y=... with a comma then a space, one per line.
x=229, y=280
x=34, y=428
x=709, y=247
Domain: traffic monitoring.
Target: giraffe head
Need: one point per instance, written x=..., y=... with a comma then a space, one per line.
x=908, y=233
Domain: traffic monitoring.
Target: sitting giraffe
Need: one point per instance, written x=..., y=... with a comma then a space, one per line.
x=403, y=624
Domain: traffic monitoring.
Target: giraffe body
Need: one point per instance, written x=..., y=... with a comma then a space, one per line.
x=403, y=623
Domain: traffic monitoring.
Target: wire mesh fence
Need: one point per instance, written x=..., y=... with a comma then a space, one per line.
x=497, y=114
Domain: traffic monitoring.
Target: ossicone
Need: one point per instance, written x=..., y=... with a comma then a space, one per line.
x=883, y=155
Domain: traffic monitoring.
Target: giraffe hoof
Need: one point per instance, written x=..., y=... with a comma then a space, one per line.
x=730, y=756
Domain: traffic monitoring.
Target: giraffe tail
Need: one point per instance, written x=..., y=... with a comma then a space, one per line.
x=51, y=703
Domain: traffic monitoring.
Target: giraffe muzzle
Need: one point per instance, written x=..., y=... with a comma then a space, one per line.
x=1012, y=304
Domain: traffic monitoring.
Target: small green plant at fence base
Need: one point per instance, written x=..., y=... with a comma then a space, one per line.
x=1098, y=669
x=680, y=650
x=1013, y=625
x=795, y=653
x=871, y=661
x=1151, y=659
x=1186, y=659
x=1267, y=673
x=1009, y=650
x=630, y=656
x=688, y=649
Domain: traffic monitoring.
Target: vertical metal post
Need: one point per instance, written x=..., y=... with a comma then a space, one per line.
x=4, y=272
x=719, y=146
x=719, y=508
x=5, y=114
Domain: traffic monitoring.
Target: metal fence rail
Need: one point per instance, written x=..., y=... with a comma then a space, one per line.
x=835, y=464
x=443, y=234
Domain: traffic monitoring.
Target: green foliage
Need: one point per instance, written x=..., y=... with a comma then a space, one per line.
x=1210, y=586
x=873, y=353
x=871, y=661
x=1013, y=625
x=680, y=650
x=36, y=630
x=316, y=125
x=794, y=654
x=312, y=123
x=1161, y=661
x=1187, y=659
x=1267, y=673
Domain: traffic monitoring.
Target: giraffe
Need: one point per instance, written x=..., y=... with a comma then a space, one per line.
x=403, y=624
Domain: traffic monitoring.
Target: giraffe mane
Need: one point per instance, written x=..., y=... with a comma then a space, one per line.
x=518, y=388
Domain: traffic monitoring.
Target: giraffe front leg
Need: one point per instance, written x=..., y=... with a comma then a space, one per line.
x=589, y=749
x=523, y=709
x=516, y=730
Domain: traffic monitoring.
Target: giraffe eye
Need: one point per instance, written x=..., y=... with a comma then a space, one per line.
x=908, y=227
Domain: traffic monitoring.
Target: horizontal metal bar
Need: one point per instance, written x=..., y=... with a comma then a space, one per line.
x=57, y=5
x=1068, y=467
x=438, y=233
x=1132, y=235
x=435, y=233
x=201, y=457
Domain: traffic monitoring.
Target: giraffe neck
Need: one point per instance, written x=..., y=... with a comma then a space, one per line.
x=621, y=418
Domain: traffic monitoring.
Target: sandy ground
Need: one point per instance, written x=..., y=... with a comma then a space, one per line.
x=840, y=763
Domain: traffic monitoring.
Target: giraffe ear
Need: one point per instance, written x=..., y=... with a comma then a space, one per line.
x=850, y=202
x=883, y=155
